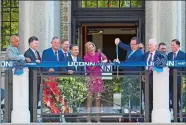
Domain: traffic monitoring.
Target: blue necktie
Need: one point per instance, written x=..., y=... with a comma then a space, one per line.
x=130, y=54
x=55, y=54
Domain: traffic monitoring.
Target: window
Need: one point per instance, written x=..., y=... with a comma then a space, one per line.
x=9, y=21
x=110, y=4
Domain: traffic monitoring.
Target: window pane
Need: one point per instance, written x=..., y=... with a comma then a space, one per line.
x=14, y=12
x=125, y=3
x=14, y=27
x=102, y=4
x=91, y=4
x=5, y=41
x=114, y=3
x=14, y=3
x=5, y=28
x=82, y=4
x=5, y=3
x=6, y=16
x=9, y=22
x=136, y=3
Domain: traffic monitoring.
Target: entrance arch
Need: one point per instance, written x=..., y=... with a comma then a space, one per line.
x=116, y=16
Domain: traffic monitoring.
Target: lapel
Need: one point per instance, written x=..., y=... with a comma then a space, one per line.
x=133, y=54
x=70, y=58
x=155, y=55
x=146, y=56
x=32, y=55
x=177, y=56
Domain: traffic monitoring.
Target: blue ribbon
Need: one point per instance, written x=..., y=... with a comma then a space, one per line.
x=19, y=65
x=180, y=63
x=117, y=51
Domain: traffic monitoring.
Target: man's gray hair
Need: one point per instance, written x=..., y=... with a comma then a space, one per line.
x=153, y=41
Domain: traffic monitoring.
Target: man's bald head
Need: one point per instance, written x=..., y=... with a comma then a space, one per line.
x=14, y=40
x=152, y=45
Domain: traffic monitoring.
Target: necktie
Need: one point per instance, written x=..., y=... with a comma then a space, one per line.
x=174, y=56
x=65, y=54
x=150, y=59
x=56, y=56
x=37, y=56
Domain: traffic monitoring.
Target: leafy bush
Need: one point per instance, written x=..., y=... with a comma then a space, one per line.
x=73, y=89
x=184, y=94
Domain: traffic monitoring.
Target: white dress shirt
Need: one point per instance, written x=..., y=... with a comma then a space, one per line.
x=176, y=54
x=74, y=60
x=65, y=52
x=148, y=59
x=35, y=53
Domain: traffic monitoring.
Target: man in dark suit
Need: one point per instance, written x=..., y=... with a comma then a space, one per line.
x=65, y=48
x=134, y=54
x=74, y=49
x=176, y=54
x=34, y=56
x=151, y=55
x=53, y=54
x=74, y=70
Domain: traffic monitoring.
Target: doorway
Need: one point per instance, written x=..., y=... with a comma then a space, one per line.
x=103, y=36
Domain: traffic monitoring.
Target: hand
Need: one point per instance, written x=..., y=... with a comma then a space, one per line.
x=117, y=40
x=51, y=70
x=93, y=67
x=70, y=71
x=116, y=60
x=28, y=59
x=143, y=78
x=38, y=61
x=104, y=61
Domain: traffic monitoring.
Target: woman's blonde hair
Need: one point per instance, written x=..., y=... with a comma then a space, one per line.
x=88, y=44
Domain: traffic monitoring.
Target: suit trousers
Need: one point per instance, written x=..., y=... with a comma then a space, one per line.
x=31, y=94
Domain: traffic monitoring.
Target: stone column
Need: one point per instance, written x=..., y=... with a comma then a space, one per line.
x=66, y=20
x=161, y=112
x=20, y=112
x=24, y=24
x=165, y=20
x=41, y=19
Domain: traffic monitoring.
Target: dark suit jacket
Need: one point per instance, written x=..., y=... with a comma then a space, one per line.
x=80, y=70
x=145, y=57
x=48, y=55
x=180, y=56
x=137, y=56
x=63, y=55
x=30, y=54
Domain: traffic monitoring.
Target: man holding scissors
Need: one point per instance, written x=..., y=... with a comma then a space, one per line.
x=134, y=54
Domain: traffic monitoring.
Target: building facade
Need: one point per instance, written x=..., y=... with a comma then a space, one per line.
x=161, y=20
x=98, y=21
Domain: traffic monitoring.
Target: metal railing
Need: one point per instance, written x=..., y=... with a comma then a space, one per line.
x=139, y=113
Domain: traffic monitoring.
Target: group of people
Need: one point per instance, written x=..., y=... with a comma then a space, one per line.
x=63, y=51
x=60, y=51
x=136, y=53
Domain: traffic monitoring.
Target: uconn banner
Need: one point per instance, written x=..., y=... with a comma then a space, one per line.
x=11, y=64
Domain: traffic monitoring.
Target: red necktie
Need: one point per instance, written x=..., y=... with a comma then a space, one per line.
x=150, y=59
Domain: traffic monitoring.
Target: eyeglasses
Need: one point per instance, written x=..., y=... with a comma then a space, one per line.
x=133, y=44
